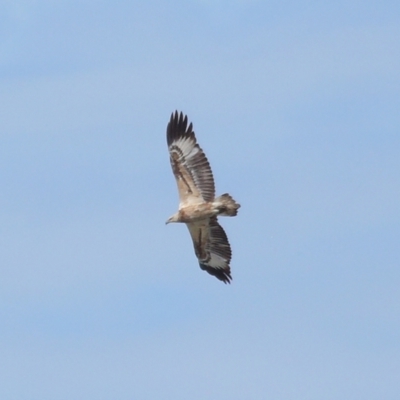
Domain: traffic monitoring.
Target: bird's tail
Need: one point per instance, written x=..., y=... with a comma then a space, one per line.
x=226, y=205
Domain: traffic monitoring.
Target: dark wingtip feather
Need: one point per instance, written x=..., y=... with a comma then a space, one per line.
x=223, y=275
x=178, y=127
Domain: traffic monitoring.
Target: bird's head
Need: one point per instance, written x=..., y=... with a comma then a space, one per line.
x=173, y=218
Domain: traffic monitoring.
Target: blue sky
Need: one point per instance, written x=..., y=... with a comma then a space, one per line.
x=296, y=105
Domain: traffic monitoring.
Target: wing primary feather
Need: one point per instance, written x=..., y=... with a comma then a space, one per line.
x=178, y=127
x=212, y=248
x=189, y=163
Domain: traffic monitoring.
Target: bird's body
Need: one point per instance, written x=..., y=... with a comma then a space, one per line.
x=223, y=205
x=198, y=206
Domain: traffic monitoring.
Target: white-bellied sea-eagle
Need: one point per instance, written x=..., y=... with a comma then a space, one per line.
x=198, y=206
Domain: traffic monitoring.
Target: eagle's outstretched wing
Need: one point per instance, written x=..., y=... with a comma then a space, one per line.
x=190, y=165
x=212, y=248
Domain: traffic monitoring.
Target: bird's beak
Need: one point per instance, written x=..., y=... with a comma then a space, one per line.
x=167, y=221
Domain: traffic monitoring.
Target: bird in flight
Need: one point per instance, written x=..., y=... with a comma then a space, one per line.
x=198, y=206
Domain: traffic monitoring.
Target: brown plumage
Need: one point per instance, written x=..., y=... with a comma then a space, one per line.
x=198, y=207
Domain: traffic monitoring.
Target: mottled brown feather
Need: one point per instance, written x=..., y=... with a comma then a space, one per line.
x=189, y=164
x=212, y=248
